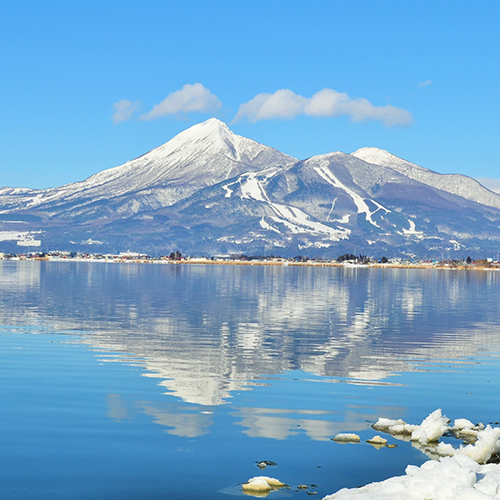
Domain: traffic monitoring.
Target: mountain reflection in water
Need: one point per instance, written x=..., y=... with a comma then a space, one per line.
x=207, y=331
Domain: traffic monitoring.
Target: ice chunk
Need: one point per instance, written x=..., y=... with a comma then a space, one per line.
x=377, y=440
x=394, y=427
x=346, y=438
x=445, y=450
x=464, y=429
x=462, y=423
x=385, y=424
x=431, y=428
x=261, y=484
x=487, y=444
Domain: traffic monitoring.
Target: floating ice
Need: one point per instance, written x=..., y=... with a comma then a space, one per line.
x=462, y=423
x=346, y=438
x=377, y=440
x=461, y=473
x=466, y=430
x=486, y=440
x=394, y=427
x=486, y=446
x=261, y=485
x=431, y=428
x=452, y=478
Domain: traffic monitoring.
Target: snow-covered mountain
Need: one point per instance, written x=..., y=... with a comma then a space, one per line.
x=209, y=191
x=461, y=185
x=333, y=203
x=200, y=156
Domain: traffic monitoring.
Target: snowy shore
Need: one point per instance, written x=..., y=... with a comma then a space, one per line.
x=450, y=478
x=453, y=473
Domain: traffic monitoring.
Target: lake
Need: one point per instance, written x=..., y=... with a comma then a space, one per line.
x=149, y=381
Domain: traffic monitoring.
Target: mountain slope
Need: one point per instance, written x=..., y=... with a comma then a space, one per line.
x=209, y=191
x=458, y=184
x=198, y=157
x=325, y=205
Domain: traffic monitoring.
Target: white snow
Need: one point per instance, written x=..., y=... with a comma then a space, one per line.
x=251, y=188
x=323, y=170
x=346, y=437
x=29, y=243
x=228, y=191
x=431, y=428
x=23, y=238
x=460, y=185
x=261, y=484
x=12, y=235
x=487, y=444
x=203, y=155
x=90, y=241
x=394, y=427
x=377, y=440
x=265, y=225
x=456, y=245
x=459, y=473
x=293, y=218
x=412, y=231
x=455, y=478
x=298, y=221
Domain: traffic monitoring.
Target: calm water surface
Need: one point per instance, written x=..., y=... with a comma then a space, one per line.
x=129, y=381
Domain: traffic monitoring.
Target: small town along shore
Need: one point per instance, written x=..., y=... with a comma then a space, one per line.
x=175, y=258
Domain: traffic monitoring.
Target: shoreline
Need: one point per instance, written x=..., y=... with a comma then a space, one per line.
x=273, y=262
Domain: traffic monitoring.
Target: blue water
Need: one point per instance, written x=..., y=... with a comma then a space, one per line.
x=128, y=381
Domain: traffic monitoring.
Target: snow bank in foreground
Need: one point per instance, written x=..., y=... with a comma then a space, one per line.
x=453, y=478
x=456, y=475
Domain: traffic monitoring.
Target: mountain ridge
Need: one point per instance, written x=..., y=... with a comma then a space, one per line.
x=208, y=190
x=459, y=184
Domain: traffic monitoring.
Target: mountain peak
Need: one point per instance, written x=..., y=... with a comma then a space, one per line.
x=209, y=127
x=203, y=155
x=210, y=190
x=212, y=130
x=456, y=184
x=214, y=138
x=382, y=157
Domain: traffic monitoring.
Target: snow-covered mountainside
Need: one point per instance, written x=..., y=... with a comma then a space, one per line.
x=200, y=156
x=330, y=204
x=209, y=191
x=461, y=185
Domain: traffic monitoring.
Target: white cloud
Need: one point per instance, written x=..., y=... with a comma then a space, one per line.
x=326, y=103
x=282, y=104
x=123, y=110
x=192, y=98
x=425, y=84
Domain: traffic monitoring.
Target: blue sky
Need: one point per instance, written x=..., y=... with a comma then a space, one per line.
x=90, y=85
